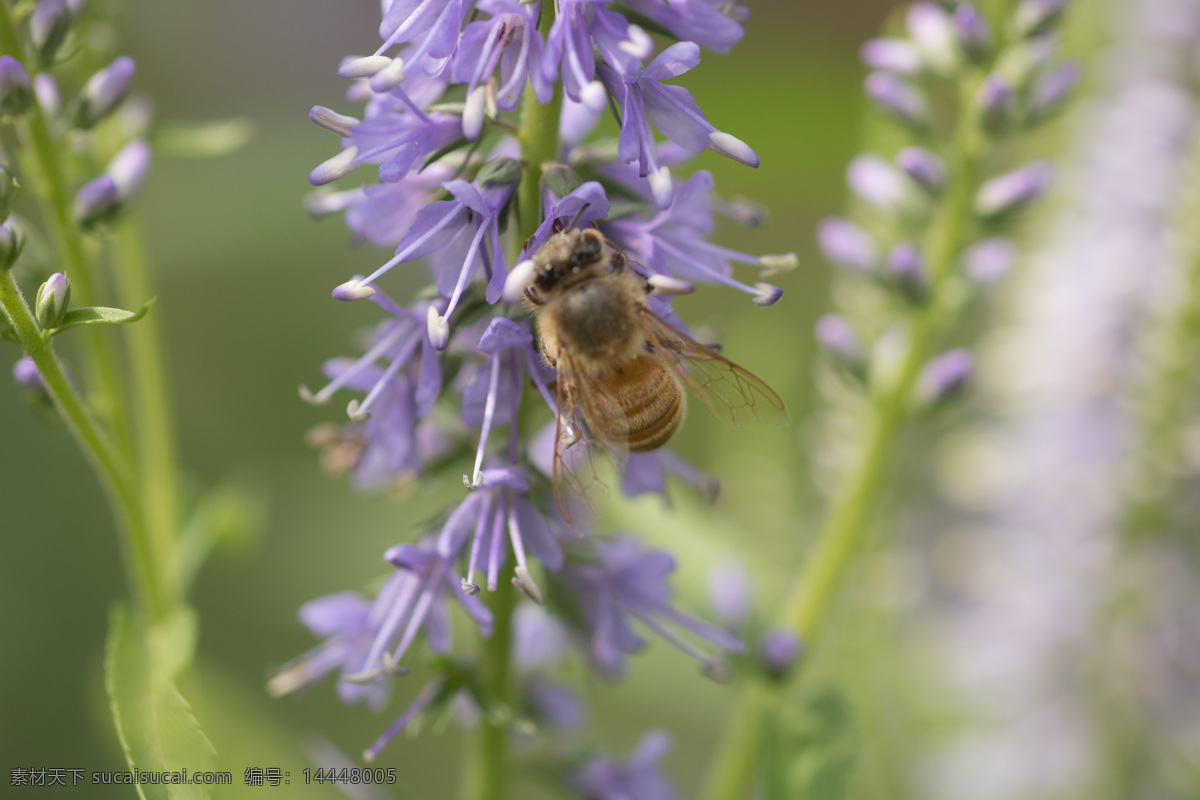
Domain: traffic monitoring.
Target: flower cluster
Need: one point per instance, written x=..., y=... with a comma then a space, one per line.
x=448, y=373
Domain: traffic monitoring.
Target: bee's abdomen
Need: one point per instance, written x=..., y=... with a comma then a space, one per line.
x=653, y=403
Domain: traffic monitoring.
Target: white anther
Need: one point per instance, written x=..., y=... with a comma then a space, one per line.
x=355, y=413
x=473, y=113
x=767, y=294
x=594, y=96
x=774, y=264
x=363, y=67
x=639, y=44
x=339, y=166
x=439, y=329
x=353, y=290
x=732, y=147
x=333, y=121
x=307, y=396
x=469, y=587
x=389, y=77
x=666, y=285
x=661, y=187
x=518, y=280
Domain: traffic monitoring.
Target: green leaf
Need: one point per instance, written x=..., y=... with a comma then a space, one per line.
x=154, y=723
x=811, y=748
x=561, y=179
x=218, y=137
x=100, y=314
x=504, y=171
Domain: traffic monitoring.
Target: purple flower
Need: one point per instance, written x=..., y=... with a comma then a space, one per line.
x=433, y=25
x=1013, y=190
x=27, y=375
x=715, y=24
x=944, y=377
x=899, y=99
x=614, y=582
x=644, y=99
x=846, y=245
x=16, y=95
x=674, y=241
x=647, y=473
x=637, y=778
x=104, y=92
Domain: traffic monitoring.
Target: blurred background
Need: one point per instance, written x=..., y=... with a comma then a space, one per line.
x=243, y=276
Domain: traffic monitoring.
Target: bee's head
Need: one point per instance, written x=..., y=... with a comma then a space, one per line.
x=571, y=254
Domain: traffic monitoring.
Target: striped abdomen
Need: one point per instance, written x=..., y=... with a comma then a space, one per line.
x=652, y=400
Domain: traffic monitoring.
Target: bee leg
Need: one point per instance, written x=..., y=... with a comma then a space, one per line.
x=532, y=295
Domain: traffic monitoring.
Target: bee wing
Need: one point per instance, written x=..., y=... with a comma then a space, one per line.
x=574, y=473
x=714, y=378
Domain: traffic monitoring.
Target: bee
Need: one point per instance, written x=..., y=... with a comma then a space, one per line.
x=620, y=365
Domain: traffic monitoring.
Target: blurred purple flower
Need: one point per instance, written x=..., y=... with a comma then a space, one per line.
x=637, y=778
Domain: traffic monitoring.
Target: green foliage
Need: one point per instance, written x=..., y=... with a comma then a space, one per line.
x=811, y=748
x=100, y=314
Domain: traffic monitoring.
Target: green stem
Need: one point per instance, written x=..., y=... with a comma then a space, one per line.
x=488, y=778
x=101, y=354
x=840, y=538
x=110, y=466
x=539, y=142
x=155, y=432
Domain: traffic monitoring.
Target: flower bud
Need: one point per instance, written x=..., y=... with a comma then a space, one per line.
x=53, y=297
x=845, y=244
x=839, y=341
x=11, y=242
x=1036, y=16
x=46, y=89
x=1013, y=190
x=891, y=55
x=933, y=34
x=129, y=167
x=925, y=168
x=944, y=378
x=104, y=91
x=995, y=105
x=8, y=191
x=899, y=99
x=1022, y=63
x=986, y=262
x=1051, y=92
x=729, y=593
x=96, y=200
x=16, y=94
x=778, y=651
x=48, y=28
x=908, y=272
x=974, y=34
x=878, y=183
x=27, y=376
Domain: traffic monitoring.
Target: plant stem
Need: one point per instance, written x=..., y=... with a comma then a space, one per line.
x=155, y=433
x=487, y=778
x=101, y=355
x=108, y=462
x=839, y=539
x=539, y=142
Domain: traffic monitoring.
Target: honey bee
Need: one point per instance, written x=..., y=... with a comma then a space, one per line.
x=620, y=365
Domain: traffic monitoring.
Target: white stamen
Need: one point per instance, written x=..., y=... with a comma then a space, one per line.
x=733, y=147
x=525, y=583
x=333, y=121
x=353, y=290
x=389, y=77
x=518, y=280
x=307, y=396
x=363, y=67
x=473, y=113
x=439, y=329
x=666, y=285
x=767, y=294
x=661, y=187
x=594, y=96
x=339, y=166
x=493, y=110
x=469, y=587
x=639, y=44
x=355, y=414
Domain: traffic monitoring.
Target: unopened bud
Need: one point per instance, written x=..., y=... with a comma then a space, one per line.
x=27, y=376
x=974, y=34
x=53, y=297
x=11, y=242
x=900, y=100
x=48, y=28
x=96, y=201
x=908, y=271
x=1022, y=63
x=840, y=342
x=933, y=34
x=925, y=168
x=891, y=55
x=986, y=262
x=16, y=93
x=845, y=244
x=877, y=182
x=129, y=168
x=944, y=378
x=1036, y=16
x=778, y=652
x=1013, y=190
x=48, y=97
x=104, y=92
x=1051, y=92
x=729, y=593
x=995, y=104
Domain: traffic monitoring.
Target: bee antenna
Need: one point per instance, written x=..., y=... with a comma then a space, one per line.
x=578, y=216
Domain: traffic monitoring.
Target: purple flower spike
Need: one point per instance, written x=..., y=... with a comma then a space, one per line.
x=104, y=92
x=27, y=375
x=925, y=168
x=636, y=779
x=16, y=93
x=900, y=100
x=618, y=582
x=891, y=55
x=944, y=378
x=845, y=244
x=1013, y=190
x=909, y=272
x=974, y=34
x=510, y=41
x=1052, y=91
